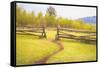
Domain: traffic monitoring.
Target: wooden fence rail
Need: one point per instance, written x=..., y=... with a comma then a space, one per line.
x=63, y=33
x=32, y=31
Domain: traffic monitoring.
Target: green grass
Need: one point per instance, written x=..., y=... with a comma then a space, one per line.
x=74, y=51
x=51, y=34
x=31, y=49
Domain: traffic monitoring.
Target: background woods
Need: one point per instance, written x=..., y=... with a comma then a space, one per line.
x=50, y=19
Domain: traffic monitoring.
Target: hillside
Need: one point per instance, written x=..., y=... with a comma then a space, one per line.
x=90, y=20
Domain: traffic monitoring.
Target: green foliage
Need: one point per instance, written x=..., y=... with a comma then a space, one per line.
x=50, y=19
x=51, y=11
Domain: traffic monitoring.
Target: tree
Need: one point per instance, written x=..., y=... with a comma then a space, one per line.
x=18, y=16
x=39, y=18
x=50, y=16
x=51, y=11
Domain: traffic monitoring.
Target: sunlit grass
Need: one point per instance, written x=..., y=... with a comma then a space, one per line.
x=51, y=34
x=74, y=51
x=30, y=49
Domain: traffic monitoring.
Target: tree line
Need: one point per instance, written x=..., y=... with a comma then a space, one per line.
x=50, y=19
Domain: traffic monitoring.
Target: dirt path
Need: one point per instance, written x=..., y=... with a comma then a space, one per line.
x=44, y=60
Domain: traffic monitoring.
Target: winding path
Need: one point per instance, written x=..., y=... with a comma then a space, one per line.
x=44, y=60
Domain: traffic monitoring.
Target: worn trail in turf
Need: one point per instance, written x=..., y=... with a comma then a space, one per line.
x=45, y=59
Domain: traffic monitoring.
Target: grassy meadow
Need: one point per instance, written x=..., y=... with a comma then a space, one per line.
x=74, y=51
x=31, y=49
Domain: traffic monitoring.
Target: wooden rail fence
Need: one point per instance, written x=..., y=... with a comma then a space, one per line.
x=35, y=31
x=63, y=33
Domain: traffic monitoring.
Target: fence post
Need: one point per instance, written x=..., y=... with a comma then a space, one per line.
x=44, y=33
x=57, y=36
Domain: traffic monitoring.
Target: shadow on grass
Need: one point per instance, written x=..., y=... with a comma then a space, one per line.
x=88, y=42
x=30, y=36
x=78, y=41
